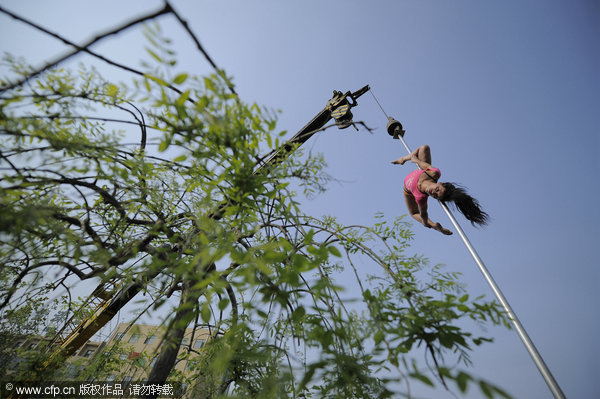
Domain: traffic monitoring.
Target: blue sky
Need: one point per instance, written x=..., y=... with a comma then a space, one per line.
x=507, y=94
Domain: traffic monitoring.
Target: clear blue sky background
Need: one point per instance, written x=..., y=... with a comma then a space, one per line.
x=507, y=93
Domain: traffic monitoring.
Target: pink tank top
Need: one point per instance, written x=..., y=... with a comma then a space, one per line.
x=411, y=183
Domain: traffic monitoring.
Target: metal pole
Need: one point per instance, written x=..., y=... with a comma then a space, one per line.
x=535, y=355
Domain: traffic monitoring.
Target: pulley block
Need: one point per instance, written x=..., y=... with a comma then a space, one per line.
x=394, y=128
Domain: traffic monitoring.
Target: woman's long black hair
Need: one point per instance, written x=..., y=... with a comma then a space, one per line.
x=466, y=204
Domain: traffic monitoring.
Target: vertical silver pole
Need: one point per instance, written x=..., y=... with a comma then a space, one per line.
x=535, y=355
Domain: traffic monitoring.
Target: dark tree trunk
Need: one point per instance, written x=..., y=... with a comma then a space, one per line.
x=172, y=341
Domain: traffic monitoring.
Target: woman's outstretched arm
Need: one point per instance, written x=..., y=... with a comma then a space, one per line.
x=419, y=213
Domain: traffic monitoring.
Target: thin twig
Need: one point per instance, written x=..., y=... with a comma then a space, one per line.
x=81, y=48
x=197, y=42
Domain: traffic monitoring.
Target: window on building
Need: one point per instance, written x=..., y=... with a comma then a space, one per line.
x=183, y=388
x=153, y=362
x=190, y=365
x=123, y=356
x=32, y=345
x=73, y=370
x=199, y=343
x=150, y=339
x=185, y=341
x=111, y=377
x=88, y=353
x=19, y=343
x=119, y=336
x=16, y=361
x=126, y=381
x=134, y=338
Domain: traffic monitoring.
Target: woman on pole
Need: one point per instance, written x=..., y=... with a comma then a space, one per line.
x=423, y=183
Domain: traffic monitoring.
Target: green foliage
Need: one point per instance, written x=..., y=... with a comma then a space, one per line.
x=163, y=183
x=26, y=330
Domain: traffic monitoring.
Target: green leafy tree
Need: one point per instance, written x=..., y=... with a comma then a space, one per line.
x=163, y=185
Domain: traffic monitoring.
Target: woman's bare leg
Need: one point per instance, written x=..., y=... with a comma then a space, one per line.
x=423, y=153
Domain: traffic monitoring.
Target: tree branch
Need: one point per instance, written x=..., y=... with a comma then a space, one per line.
x=24, y=272
x=198, y=45
x=84, y=47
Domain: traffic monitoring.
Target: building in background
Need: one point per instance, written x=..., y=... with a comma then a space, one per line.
x=127, y=356
x=139, y=348
x=22, y=346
